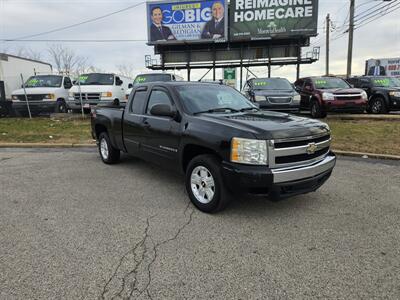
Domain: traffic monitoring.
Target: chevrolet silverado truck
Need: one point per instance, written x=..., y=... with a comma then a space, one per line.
x=222, y=142
x=326, y=94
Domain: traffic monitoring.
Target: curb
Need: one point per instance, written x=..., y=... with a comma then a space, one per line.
x=43, y=145
x=364, y=117
x=366, y=155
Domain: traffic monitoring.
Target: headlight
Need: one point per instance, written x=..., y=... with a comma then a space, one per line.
x=297, y=98
x=328, y=96
x=246, y=151
x=106, y=94
x=364, y=95
x=49, y=96
x=394, y=94
x=14, y=97
x=259, y=98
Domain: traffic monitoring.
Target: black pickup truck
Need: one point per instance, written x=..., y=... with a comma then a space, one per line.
x=218, y=139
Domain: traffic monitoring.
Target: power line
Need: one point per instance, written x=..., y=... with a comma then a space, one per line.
x=390, y=10
x=77, y=24
x=376, y=12
x=75, y=40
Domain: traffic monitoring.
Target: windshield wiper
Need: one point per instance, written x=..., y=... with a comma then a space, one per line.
x=219, y=109
x=249, y=108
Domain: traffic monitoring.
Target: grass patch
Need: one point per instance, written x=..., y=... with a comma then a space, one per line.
x=380, y=137
x=45, y=130
x=373, y=136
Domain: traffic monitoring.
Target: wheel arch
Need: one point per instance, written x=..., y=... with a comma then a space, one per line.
x=190, y=151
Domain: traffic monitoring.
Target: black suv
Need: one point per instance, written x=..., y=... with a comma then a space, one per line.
x=383, y=92
x=273, y=94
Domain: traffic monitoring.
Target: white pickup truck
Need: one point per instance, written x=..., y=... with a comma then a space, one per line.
x=45, y=93
x=97, y=88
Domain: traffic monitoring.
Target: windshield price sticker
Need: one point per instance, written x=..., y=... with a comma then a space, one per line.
x=83, y=78
x=261, y=83
x=33, y=82
x=384, y=82
x=140, y=79
x=320, y=82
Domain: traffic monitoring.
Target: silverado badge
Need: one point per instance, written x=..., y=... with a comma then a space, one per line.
x=311, y=148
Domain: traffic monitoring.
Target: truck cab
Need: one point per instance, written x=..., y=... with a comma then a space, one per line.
x=92, y=89
x=45, y=93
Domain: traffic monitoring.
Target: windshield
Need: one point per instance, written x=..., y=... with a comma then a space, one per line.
x=96, y=79
x=211, y=97
x=271, y=84
x=43, y=81
x=330, y=83
x=151, y=78
x=386, y=82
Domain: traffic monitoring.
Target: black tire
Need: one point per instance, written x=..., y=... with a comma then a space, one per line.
x=111, y=155
x=220, y=197
x=61, y=107
x=378, y=106
x=316, y=111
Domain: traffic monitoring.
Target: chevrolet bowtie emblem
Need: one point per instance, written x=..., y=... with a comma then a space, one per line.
x=311, y=148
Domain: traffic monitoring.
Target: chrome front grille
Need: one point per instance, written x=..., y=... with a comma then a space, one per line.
x=87, y=97
x=298, y=151
x=279, y=100
x=31, y=97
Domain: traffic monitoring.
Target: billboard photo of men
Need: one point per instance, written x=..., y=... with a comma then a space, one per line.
x=215, y=28
x=157, y=30
x=377, y=70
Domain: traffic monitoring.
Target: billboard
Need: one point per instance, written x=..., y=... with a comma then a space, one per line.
x=383, y=67
x=268, y=19
x=175, y=22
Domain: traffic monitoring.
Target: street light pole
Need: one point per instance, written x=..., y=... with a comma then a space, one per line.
x=351, y=31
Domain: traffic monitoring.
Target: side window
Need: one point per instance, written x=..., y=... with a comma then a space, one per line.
x=299, y=84
x=138, y=100
x=364, y=83
x=67, y=82
x=308, y=85
x=157, y=97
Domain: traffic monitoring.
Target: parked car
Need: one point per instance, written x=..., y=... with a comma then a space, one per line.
x=383, y=92
x=45, y=93
x=97, y=88
x=321, y=95
x=273, y=94
x=222, y=142
x=152, y=77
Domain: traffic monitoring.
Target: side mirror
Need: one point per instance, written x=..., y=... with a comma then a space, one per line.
x=67, y=86
x=130, y=86
x=119, y=82
x=163, y=110
x=74, y=82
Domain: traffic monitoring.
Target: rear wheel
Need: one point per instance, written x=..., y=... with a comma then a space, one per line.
x=108, y=153
x=316, y=111
x=378, y=106
x=204, y=184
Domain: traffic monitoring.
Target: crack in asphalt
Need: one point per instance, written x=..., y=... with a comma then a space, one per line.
x=138, y=260
x=133, y=250
x=5, y=159
x=158, y=245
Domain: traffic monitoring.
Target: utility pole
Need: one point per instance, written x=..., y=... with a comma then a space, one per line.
x=328, y=28
x=351, y=31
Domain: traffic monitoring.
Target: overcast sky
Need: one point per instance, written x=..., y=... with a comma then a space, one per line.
x=380, y=38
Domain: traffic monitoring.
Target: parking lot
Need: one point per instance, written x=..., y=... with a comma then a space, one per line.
x=72, y=227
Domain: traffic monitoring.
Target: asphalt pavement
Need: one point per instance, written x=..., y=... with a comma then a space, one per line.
x=72, y=227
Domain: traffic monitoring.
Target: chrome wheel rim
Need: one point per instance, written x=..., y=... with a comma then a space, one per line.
x=377, y=106
x=202, y=184
x=104, y=148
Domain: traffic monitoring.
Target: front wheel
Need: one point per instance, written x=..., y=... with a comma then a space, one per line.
x=108, y=153
x=378, y=106
x=204, y=184
x=316, y=110
x=61, y=107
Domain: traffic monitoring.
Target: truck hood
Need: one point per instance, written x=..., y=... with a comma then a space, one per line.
x=388, y=89
x=35, y=91
x=91, y=88
x=270, y=125
x=341, y=91
x=274, y=93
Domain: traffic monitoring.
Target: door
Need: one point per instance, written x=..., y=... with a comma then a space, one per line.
x=133, y=131
x=161, y=134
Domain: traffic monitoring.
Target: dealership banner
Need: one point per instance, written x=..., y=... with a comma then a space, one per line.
x=186, y=21
x=268, y=19
x=383, y=67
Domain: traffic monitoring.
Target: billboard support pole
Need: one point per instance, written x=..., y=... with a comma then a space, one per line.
x=214, y=58
x=269, y=62
x=241, y=68
x=298, y=61
x=188, y=65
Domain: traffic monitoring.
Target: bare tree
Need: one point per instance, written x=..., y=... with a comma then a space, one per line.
x=67, y=61
x=27, y=53
x=127, y=70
